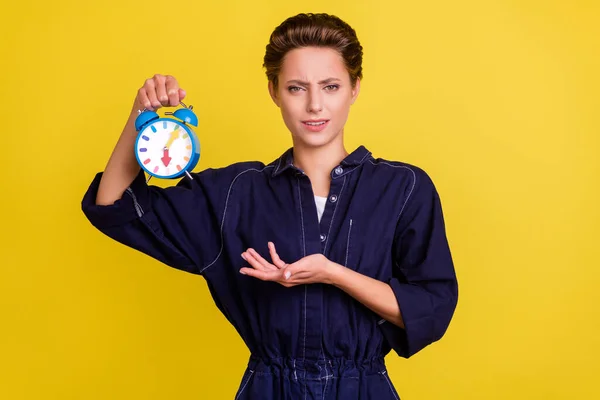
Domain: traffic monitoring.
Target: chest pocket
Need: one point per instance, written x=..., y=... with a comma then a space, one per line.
x=368, y=247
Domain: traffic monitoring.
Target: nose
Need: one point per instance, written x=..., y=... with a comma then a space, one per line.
x=315, y=102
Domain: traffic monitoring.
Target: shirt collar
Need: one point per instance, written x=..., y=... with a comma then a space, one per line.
x=354, y=159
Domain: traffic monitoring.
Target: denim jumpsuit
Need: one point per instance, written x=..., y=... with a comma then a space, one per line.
x=382, y=219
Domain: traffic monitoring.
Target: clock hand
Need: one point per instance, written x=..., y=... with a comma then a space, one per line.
x=165, y=158
x=174, y=135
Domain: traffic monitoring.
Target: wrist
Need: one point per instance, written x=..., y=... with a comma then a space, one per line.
x=334, y=273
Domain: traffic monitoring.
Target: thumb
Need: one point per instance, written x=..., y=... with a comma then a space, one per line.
x=181, y=94
x=291, y=269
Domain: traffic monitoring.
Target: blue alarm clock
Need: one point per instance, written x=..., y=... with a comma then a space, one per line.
x=167, y=147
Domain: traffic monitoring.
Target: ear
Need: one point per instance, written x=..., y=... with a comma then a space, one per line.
x=273, y=94
x=355, y=90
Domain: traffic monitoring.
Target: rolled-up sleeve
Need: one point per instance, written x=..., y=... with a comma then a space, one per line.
x=177, y=225
x=424, y=279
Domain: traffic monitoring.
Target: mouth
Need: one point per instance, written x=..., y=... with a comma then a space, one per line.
x=315, y=125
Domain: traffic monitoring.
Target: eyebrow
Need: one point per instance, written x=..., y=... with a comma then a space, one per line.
x=323, y=82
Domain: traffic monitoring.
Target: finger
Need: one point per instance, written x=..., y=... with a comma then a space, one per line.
x=275, y=257
x=261, y=260
x=143, y=99
x=182, y=94
x=150, y=88
x=271, y=275
x=161, y=89
x=255, y=263
x=293, y=270
x=172, y=90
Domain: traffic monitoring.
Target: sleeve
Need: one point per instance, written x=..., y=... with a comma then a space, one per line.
x=423, y=280
x=178, y=225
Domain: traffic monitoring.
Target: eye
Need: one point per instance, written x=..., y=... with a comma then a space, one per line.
x=331, y=88
x=293, y=89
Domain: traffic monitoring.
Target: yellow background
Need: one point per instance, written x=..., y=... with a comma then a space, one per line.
x=497, y=100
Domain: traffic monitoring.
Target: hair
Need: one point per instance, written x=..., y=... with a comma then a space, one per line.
x=313, y=30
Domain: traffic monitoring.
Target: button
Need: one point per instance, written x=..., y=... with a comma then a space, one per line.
x=323, y=237
x=338, y=170
x=333, y=198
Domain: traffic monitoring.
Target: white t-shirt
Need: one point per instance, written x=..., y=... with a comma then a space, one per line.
x=320, y=205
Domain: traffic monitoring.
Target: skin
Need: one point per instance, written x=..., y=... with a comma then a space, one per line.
x=313, y=84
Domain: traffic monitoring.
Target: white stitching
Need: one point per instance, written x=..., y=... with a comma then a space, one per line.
x=225, y=211
x=295, y=376
x=348, y=243
x=327, y=376
x=305, y=287
x=365, y=156
x=352, y=168
x=346, y=172
x=384, y=373
x=138, y=208
x=333, y=216
x=324, y=359
x=301, y=220
x=411, y=189
x=304, y=345
x=276, y=170
x=244, y=386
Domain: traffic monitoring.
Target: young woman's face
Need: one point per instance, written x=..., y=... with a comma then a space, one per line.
x=314, y=95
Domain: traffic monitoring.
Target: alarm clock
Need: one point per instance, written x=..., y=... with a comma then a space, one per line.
x=167, y=148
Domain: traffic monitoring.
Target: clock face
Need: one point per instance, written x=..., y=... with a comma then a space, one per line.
x=164, y=148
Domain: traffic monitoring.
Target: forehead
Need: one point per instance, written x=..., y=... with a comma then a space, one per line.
x=310, y=63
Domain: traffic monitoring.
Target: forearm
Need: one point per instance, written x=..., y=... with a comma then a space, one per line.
x=374, y=294
x=122, y=167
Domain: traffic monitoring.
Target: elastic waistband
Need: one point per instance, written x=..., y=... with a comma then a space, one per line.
x=337, y=367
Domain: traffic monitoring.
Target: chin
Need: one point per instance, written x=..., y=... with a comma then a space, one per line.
x=314, y=140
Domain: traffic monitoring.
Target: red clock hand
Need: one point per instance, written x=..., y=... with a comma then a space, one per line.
x=166, y=159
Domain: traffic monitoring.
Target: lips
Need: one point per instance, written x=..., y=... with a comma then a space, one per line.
x=315, y=122
x=315, y=125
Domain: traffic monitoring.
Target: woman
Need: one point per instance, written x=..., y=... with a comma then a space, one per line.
x=322, y=260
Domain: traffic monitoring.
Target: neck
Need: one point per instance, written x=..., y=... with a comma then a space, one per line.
x=318, y=162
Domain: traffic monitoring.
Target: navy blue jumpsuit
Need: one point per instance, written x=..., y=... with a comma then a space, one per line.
x=382, y=219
